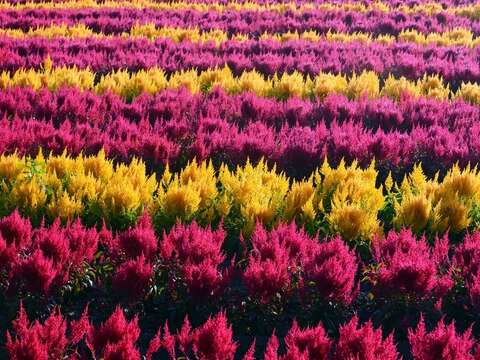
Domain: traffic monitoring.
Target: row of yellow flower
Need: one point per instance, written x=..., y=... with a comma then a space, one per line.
x=129, y=85
x=453, y=37
x=471, y=11
x=344, y=200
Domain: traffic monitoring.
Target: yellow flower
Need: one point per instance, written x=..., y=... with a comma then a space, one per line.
x=299, y=200
x=258, y=192
x=11, y=166
x=65, y=207
x=98, y=166
x=191, y=191
x=62, y=165
x=350, y=200
x=29, y=195
x=413, y=212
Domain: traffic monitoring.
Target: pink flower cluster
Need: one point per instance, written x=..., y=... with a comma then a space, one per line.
x=119, y=20
x=117, y=338
x=280, y=263
x=285, y=258
x=295, y=134
x=43, y=259
x=405, y=266
x=456, y=64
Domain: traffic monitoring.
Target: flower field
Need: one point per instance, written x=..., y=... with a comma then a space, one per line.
x=215, y=180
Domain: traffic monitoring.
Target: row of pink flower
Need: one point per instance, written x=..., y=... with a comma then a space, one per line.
x=296, y=150
x=392, y=3
x=175, y=125
x=116, y=339
x=116, y=21
x=284, y=261
x=76, y=106
x=454, y=64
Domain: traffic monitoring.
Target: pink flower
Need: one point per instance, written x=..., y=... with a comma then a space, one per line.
x=443, y=343
x=132, y=278
x=312, y=343
x=114, y=331
x=410, y=267
x=16, y=230
x=196, y=255
x=214, y=339
x=332, y=267
x=36, y=273
x=364, y=343
x=38, y=341
x=140, y=239
x=83, y=243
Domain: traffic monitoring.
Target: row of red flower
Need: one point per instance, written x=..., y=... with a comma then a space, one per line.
x=297, y=135
x=282, y=263
x=116, y=338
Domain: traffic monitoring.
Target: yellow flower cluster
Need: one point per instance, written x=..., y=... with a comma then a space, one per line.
x=64, y=186
x=432, y=8
x=437, y=206
x=192, y=193
x=350, y=200
x=455, y=36
x=343, y=200
x=130, y=85
x=257, y=192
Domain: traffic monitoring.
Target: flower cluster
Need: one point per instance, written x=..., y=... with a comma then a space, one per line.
x=117, y=338
x=153, y=80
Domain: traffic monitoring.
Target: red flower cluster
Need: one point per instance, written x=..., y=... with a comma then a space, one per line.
x=466, y=261
x=285, y=254
x=194, y=254
x=117, y=338
x=43, y=259
x=406, y=266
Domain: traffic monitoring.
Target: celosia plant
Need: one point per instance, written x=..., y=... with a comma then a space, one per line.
x=409, y=268
x=363, y=342
x=195, y=256
x=442, y=343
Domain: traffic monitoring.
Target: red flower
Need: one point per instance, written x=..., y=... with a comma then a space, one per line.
x=332, y=267
x=133, y=277
x=442, y=343
x=364, y=343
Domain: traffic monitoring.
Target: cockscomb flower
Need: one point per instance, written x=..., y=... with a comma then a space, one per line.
x=205, y=279
x=8, y=254
x=117, y=329
x=294, y=241
x=271, y=352
x=140, y=239
x=132, y=278
x=121, y=351
x=352, y=197
x=38, y=341
x=311, y=343
x=265, y=278
x=214, y=339
x=53, y=243
x=332, y=267
x=83, y=242
x=16, y=230
x=363, y=342
x=36, y=273
x=196, y=253
x=466, y=258
x=183, y=195
x=408, y=266
x=193, y=244
x=243, y=187
x=270, y=266
x=442, y=343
